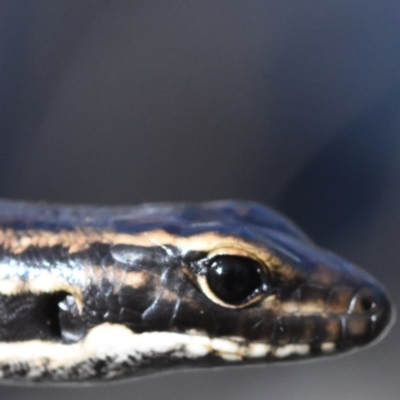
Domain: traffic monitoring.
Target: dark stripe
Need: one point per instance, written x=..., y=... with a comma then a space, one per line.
x=246, y=220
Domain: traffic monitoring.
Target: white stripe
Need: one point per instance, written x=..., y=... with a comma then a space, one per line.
x=120, y=345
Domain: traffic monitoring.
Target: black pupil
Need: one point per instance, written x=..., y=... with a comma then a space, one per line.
x=233, y=279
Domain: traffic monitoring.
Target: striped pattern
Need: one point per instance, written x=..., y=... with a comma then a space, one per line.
x=92, y=293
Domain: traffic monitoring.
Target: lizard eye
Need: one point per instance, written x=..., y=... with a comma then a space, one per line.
x=233, y=281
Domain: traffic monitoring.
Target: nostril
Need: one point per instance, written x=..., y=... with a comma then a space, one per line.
x=368, y=303
x=370, y=313
x=364, y=301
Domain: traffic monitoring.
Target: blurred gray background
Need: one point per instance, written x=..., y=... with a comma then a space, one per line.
x=292, y=103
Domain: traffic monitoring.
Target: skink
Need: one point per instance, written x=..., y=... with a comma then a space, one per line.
x=99, y=293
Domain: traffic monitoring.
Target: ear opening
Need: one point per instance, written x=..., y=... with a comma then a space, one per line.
x=47, y=316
